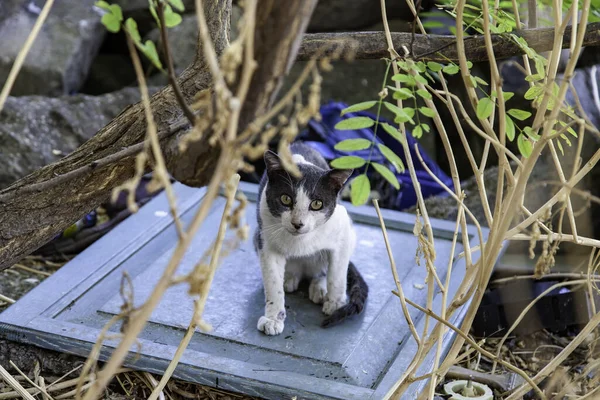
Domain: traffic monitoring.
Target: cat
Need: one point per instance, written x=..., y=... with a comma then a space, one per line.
x=305, y=232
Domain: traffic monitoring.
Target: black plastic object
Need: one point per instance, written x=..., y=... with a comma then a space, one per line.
x=557, y=311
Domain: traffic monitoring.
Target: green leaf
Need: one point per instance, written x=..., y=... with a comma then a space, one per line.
x=480, y=81
x=539, y=66
x=469, y=64
x=409, y=111
x=115, y=9
x=392, y=157
x=451, y=69
x=426, y=111
x=485, y=107
x=433, y=66
x=473, y=81
x=507, y=95
x=569, y=129
x=153, y=12
x=531, y=134
x=111, y=23
x=510, y=128
x=395, y=133
x=387, y=174
x=178, y=4
x=401, y=115
x=424, y=94
x=433, y=24
x=420, y=79
x=359, y=107
x=354, y=123
x=525, y=146
x=421, y=67
x=425, y=127
x=534, y=92
x=417, y=132
x=132, y=29
x=403, y=78
x=103, y=5
x=565, y=138
x=353, y=145
x=559, y=144
x=348, y=162
x=172, y=19
x=403, y=65
x=149, y=49
x=534, y=78
x=360, y=189
x=521, y=115
x=402, y=93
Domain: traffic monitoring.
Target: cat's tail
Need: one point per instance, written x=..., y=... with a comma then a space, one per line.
x=358, y=291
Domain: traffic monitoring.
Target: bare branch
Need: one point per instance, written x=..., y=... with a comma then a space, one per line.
x=189, y=114
x=372, y=45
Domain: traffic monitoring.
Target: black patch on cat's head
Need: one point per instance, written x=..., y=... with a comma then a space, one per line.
x=273, y=163
x=318, y=183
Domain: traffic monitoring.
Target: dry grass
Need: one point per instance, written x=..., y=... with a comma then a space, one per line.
x=18, y=280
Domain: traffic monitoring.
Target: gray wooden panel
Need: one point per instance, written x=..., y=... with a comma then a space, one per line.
x=359, y=359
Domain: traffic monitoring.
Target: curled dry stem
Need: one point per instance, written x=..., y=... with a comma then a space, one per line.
x=199, y=303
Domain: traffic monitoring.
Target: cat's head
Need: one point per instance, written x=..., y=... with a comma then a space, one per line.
x=305, y=203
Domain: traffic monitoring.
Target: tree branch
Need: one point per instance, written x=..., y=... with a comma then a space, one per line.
x=30, y=219
x=441, y=48
x=189, y=114
x=34, y=209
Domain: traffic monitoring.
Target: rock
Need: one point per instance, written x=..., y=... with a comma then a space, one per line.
x=35, y=130
x=109, y=73
x=346, y=15
x=142, y=5
x=60, y=58
x=182, y=41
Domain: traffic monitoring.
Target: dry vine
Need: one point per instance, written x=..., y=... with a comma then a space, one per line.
x=216, y=115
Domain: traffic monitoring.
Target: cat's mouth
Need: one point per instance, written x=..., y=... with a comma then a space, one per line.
x=296, y=233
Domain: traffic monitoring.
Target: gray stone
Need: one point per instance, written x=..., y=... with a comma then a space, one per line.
x=109, y=73
x=345, y=15
x=182, y=41
x=142, y=5
x=35, y=130
x=61, y=55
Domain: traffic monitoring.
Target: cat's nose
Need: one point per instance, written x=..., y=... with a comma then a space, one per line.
x=297, y=225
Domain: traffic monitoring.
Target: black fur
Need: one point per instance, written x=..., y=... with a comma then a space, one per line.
x=358, y=291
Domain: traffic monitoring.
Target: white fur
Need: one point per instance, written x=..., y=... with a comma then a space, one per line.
x=321, y=252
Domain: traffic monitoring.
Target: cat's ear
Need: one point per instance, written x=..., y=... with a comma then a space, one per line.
x=337, y=177
x=272, y=162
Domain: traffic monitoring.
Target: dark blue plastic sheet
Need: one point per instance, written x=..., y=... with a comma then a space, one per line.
x=323, y=137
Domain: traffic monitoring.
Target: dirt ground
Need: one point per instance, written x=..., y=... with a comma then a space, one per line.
x=530, y=353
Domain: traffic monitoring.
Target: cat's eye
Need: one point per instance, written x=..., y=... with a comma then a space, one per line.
x=286, y=200
x=316, y=205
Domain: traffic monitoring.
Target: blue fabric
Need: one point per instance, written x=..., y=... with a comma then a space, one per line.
x=322, y=136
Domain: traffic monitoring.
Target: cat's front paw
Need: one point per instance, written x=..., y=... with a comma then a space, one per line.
x=291, y=283
x=270, y=326
x=331, y=305
x=317, y=291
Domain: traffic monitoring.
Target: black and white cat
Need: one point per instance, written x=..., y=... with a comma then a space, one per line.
x=304, y=232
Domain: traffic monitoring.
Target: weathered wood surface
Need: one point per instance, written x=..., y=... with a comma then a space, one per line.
x=29, y=218
x=372, y=45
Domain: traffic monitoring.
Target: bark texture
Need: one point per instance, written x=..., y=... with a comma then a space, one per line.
x=441, y=48
x=29, y=218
